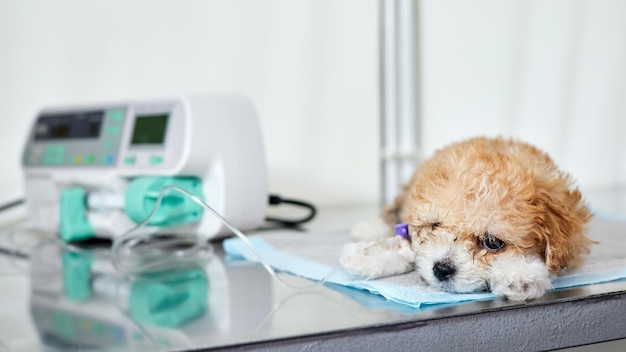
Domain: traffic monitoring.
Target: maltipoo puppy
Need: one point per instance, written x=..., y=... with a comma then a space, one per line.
x=486, y=214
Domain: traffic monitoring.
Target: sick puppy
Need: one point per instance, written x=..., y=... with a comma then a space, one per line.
x=483, y=215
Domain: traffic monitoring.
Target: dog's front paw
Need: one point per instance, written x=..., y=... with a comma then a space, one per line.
x=376, y=259
x=371, y=230
x=519, y=278
x=521, y=289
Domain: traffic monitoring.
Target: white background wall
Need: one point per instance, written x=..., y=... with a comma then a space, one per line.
x=550, y=72
x=309, y=66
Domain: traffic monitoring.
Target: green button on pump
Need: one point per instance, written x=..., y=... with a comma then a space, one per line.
x=108, y=159
x=156, y=160
x=53, y=159
x=48, y=160
x=115, y=115
x=129, y=160
x=53, y=154
x=54, y=149
x=112, y=130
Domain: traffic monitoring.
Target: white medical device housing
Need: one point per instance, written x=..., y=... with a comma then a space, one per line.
x=101, y=148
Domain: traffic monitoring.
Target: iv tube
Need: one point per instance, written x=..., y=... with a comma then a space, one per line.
x=201, y=250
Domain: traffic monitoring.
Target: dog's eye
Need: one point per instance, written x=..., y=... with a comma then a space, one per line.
x=492, y=243
x=435, y=224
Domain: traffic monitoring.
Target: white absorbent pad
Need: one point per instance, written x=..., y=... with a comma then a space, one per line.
x=313, y=255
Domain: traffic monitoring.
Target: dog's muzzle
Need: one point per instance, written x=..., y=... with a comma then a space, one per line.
x=443, y=271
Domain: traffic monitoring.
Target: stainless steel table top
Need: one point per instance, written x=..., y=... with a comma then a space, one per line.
x=63, y=301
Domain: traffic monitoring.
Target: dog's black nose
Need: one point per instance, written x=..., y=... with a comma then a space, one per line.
x=443, y=271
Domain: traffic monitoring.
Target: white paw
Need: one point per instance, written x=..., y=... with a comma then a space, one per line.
x=376, y=259
x=371, y=229
x=519, y=278
x=521, y=289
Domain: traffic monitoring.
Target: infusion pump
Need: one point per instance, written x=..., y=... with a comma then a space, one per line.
x=95, y=170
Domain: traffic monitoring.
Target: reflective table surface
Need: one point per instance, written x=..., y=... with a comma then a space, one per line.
x=60, y=300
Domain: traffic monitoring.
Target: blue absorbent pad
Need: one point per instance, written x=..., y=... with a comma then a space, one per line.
x=314, y=255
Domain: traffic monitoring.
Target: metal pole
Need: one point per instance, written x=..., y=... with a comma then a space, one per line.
x=399, y=82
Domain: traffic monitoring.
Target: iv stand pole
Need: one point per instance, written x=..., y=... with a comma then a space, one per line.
x=399, y=95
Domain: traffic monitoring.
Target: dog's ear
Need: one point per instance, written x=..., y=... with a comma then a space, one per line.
x=562, y=226
x=392, y=213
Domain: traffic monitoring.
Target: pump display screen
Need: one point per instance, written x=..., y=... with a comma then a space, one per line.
x=69, y=126
x=149, y=129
